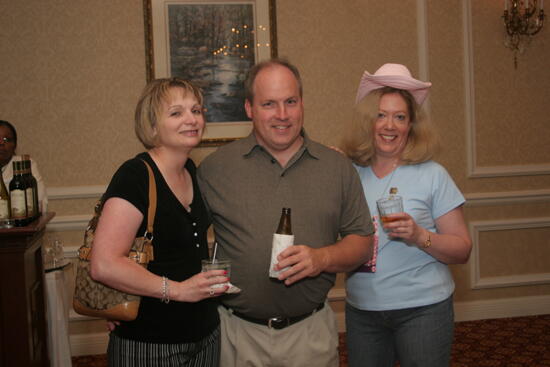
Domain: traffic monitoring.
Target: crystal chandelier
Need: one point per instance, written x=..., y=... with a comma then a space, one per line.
x=523, y=19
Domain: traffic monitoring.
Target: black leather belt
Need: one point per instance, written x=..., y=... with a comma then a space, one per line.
x=278, y=322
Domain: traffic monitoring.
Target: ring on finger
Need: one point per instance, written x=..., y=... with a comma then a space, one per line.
x=211, y=292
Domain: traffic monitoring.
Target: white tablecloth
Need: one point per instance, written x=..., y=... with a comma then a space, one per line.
x=57, y=296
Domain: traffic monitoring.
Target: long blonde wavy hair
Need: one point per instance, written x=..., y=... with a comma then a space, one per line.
x=358, y=143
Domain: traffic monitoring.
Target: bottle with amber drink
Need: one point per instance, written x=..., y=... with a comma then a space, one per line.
x=5, y=207
x=32, y=188
x=390, y=205
x=282, y=239
x=18, y=196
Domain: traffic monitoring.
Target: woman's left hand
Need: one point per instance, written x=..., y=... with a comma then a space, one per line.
x=450, y=244
x=112, y=324
x=404, y=228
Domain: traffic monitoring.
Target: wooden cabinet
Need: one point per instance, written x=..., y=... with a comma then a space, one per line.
x=22, y=300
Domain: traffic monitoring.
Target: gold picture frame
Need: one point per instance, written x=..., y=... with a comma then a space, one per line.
x=215, y=54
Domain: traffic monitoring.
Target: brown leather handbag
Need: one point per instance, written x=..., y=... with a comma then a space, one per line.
x=92, y=298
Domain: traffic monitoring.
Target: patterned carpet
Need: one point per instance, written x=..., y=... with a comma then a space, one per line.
x=510, y=342
x=513, y=342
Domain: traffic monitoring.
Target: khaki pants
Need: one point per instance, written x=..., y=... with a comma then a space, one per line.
x=310, y=342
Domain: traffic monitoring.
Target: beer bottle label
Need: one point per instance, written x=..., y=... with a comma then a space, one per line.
x=280, y=243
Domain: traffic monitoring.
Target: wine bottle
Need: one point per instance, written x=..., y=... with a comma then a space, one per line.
x=5, y=207
x=18, y=196
x=32, y=188
x=282, y=239
x=29, y=195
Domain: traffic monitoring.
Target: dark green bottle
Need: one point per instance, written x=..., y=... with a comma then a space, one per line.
x=18, y=196
x=33, y=208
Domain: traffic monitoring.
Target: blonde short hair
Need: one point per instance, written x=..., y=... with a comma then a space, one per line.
x=358, y=144
x=150, y=104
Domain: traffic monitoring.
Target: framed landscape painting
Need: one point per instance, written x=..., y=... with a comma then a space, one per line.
x=212, y=44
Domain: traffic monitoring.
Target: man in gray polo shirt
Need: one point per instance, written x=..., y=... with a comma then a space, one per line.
x=282, y=322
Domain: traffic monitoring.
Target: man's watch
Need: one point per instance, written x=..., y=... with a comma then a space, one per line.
x=428, y=241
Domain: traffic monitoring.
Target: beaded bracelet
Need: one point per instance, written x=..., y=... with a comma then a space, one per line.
x=165, y=292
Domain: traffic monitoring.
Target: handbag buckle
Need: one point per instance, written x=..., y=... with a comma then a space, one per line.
x=84, y=253
x=148, y=236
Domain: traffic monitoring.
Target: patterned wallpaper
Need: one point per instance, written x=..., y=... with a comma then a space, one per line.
x=72, y=71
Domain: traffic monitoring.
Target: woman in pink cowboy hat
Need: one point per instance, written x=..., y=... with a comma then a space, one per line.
x=399, y=305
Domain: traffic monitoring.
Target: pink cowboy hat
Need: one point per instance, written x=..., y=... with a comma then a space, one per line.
x=395, y=76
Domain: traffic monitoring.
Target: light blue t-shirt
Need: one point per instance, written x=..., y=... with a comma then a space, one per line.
x=406, y=276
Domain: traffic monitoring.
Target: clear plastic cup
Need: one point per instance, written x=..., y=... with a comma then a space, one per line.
x=217, y=264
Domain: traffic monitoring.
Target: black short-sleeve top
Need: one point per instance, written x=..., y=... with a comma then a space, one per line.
x=179, y=245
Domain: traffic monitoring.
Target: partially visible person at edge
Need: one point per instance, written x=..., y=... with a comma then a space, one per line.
x=284, y=321
x=399, y=307
x=8, y=145
x=177, y=323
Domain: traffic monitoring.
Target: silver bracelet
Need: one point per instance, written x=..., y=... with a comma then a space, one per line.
x=165, y=291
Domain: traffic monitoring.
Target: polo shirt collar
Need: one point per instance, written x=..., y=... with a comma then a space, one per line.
x=250, y=143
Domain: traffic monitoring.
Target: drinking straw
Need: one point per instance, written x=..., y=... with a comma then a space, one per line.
x=214, y=254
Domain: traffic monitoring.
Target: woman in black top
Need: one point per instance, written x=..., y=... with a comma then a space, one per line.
x=177, y=323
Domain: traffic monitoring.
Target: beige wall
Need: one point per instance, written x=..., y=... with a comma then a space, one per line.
x=72, y=70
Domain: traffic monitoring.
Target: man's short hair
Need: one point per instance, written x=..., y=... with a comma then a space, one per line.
x=254, y=70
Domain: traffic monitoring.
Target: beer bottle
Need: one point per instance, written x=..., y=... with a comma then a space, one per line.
x=5, y=207
x=282, y=239
x=18, y=196
x=285, y=224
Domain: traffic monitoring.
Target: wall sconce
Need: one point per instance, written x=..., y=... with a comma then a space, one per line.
x=522, y=22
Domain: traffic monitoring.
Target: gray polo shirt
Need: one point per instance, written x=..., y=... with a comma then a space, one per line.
x=245, y=189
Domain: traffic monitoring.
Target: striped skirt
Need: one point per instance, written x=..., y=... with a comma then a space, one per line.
x=130, y=353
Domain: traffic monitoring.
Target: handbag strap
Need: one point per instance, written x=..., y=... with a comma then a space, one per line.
x=84, y=252
x=152, y=201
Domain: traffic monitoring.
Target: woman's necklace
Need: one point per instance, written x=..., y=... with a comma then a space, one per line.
x=395, y=167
